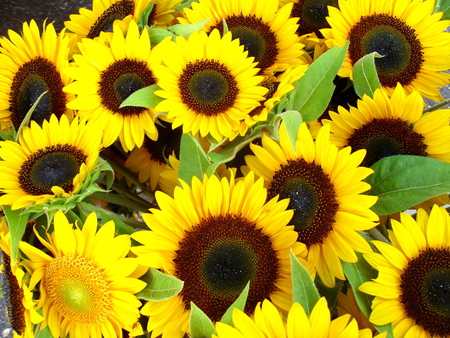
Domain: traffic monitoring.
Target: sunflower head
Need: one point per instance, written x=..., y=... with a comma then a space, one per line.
x=30, y=65
x=408, y=36
x=48, y=161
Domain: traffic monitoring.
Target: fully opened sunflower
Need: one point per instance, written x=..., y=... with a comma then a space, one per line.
x=386, y=126
x=324, y=186
x=209, y=84
x=268, y=33
x=30, y=65
x=268, y=322
x=216, y=236
x=87, y=284
x=92, y=23
x=413, y=284
x=49, y=161
x=406, y=33
x=20, y=306
x=106, y=75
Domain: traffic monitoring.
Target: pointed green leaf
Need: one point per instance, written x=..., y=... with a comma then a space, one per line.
x=199, y=323
x=185, y=30
x=357, y=274
x=27, y=117
x=104, y=169
x=331, y=294
x=443, y=6
x=145, y=14
x=313, y=91
x=292, y=120
x=44, y=333
x=193, y=160
x=144, y=97
x=239, y=303
x=402, y=181
x=158, y=34
x=183, y=5
x=303, y=287
x=365, y=77
x=17, y=222
x=160, y=286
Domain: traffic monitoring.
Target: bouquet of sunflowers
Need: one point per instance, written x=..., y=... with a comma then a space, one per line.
x=228, y=168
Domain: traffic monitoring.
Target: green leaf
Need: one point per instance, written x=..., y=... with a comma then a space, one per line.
x=357, y=274
x=303, y=287
x=443, y=6
x=402, y=181
x=239, y=303
x=331, y=294
x=104, y=169
x=183, y=5
x=193, y=160
x=365, y=77
x=292, y=120
x=143, y=18
x=44, y=333
x=185, y=30
x=158, y=34
x=160, y=286
x=144, y=97
x=225, y=27
x=17, y=223
x=27, y=117
x=313, y=91
x=199, y=323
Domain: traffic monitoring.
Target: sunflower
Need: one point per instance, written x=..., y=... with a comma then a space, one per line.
x=209, y=84
x=20, y=306
x=406, y=33
x=87, y=284
x=268, y=322
x=268, y=33
x=106, y=75
x=413, y=283
x=49, y=161
x=216, y=236
x=151, y=159
x=386, y=126
x=93, y=23
x=324, y=185
x=30, y=65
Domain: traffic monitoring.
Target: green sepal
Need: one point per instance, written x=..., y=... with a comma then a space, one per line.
x=160, y=286
x=303, y=288
x=199, y=323
x=365, y=76
x=239, y=303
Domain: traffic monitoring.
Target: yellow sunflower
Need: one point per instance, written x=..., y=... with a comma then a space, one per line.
x=93, y=23
x=413, y=283
x=20, y=306
x=325, y=188
x=386, y=126
x=151, y=159
x=209, y=84
x=49, y=161
x=268, y=33
x=87, y=284
x=216, y=236
x=30, y=65
x=268, y=322
x=106, y=75
x=410, y=37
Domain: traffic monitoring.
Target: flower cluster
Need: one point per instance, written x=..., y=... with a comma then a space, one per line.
x=227, y=168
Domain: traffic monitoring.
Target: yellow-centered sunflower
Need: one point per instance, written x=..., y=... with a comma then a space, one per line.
x=106, y=75
x=93, y=23
x=266, y=32
x=87, y=284
x=406, y=33
x=209, y=84
x=325, y=189
x=268, y=322
x=30, y=65
x=49, y=161
x=216, y=236
x=395, y=125
x=413, y=284
x=20, y=306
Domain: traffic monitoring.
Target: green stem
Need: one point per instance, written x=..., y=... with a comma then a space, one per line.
x=129, y=175
x=439, y=105
x=376, y=234
x=120, y=200
x=88, y=208
x=136, y=198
